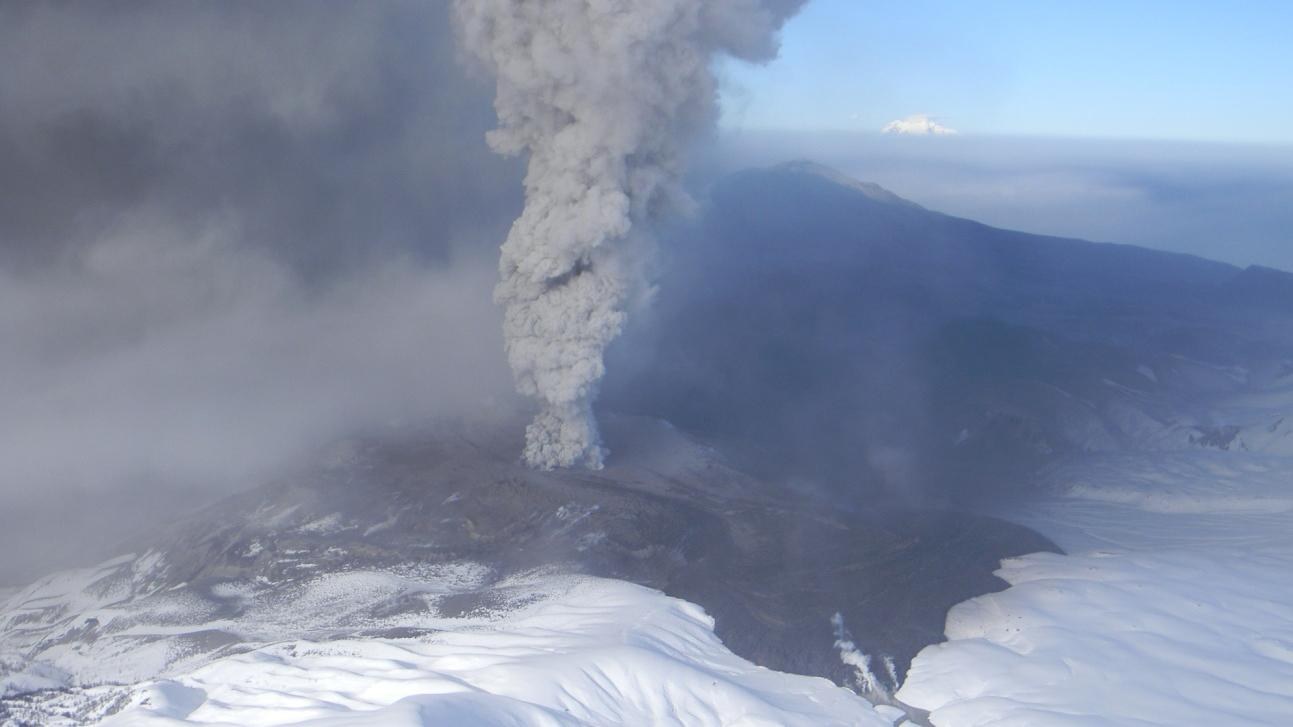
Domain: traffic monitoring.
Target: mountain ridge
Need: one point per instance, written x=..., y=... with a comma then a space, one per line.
x=878, y=193
x=836, y=333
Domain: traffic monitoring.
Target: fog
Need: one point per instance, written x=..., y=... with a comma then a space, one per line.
x=231, y=233
x=228, y=234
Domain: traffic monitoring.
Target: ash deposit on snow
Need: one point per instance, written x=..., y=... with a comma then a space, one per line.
x=393, y=544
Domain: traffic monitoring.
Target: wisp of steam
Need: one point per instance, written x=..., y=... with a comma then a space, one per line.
x=603, y=96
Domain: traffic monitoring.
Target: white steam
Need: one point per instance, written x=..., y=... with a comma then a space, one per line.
x=602, y=95
x=867, y=680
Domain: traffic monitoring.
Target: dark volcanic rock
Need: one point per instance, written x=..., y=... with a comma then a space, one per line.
x=771, y=566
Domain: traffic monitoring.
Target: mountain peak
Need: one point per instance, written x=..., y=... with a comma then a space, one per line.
x=1261, y=286
x=869, y=189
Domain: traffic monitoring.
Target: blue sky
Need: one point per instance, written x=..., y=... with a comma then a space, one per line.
x=1132, y=69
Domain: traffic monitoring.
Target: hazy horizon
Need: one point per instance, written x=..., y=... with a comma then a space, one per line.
x=1218, y=200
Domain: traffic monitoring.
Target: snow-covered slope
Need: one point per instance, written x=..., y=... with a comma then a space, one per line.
x=1174, y=607
x=583, y=651
x=412, y=535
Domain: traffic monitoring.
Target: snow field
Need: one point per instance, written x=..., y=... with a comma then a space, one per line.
x=593, y=652
x=1175, y=606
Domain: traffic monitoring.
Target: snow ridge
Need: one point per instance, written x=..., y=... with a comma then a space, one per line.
x=1175, y=606
x=591, y=652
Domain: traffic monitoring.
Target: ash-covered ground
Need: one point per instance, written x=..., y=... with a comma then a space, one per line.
x=345, y=548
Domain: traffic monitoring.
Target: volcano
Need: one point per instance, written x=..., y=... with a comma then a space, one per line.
x=382, y=534
x=805, y=450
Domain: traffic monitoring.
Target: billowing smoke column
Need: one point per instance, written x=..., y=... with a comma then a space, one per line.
x=603, y=95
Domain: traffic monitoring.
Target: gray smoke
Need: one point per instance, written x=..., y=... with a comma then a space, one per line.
x=603, y=96
x=230, y=233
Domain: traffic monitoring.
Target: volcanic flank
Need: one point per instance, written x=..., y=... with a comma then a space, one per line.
x=667, y=512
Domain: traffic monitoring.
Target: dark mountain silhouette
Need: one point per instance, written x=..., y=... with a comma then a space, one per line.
x=828, y=330
x=1260, y=287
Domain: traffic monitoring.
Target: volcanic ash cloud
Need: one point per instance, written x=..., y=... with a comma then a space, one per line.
x=602, y=95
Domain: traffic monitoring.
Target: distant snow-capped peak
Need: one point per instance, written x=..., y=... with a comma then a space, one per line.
x=917, y=125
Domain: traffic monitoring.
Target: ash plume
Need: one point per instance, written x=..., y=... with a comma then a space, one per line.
x=602, y=95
